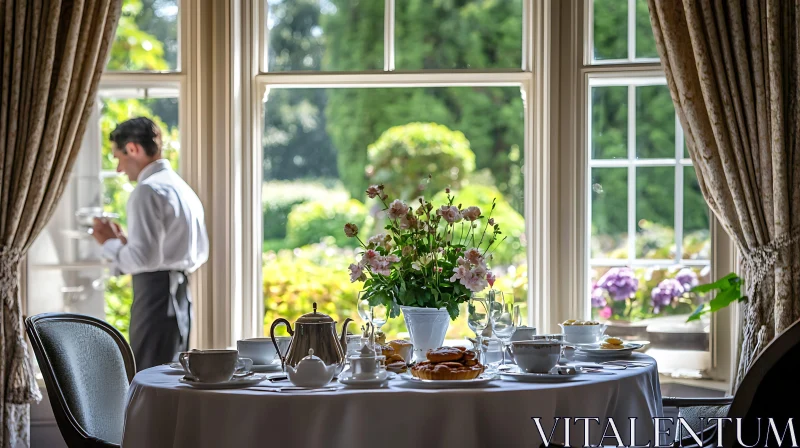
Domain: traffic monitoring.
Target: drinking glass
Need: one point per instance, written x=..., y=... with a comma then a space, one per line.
x=478, y=319
x=376, y=315
x=503, y=324
x=517, y=316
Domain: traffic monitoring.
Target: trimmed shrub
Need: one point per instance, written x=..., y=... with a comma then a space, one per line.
x=404, y=156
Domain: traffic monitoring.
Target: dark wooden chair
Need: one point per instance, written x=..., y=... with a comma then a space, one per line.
x=87, y=367
x=769, y=390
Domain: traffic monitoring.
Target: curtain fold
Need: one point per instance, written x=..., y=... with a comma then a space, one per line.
x=733, y=70
x=53, y=55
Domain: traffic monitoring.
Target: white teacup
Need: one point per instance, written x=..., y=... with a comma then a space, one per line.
x=536, y=356
x=213, y=366
x=583, y=334
x=260, y=350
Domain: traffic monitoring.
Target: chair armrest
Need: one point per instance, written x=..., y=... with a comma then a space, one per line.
x=690, y=402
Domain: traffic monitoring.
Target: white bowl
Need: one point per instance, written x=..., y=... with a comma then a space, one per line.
x=536, y=356
x=583, y=334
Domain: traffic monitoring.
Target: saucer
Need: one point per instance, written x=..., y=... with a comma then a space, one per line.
x=233, y=383
x=376, y=381
x=263, y=368
x=594, y=350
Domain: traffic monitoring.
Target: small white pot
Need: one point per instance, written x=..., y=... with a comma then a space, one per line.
x=427, y=328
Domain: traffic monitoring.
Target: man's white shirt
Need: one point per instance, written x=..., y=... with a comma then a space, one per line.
x=166, y=226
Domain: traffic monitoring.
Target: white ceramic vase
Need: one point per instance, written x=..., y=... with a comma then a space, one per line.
x=426, y=327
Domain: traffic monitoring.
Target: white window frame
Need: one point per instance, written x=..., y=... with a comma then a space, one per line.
x=577, y=70
x=532, y=79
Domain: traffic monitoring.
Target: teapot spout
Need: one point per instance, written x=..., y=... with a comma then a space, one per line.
x=343, y=337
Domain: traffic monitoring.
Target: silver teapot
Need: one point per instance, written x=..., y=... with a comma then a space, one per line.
x=315, y=331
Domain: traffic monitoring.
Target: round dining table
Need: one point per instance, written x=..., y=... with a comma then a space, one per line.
x=163, y=412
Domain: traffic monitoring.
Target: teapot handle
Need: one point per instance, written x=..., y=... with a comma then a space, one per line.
x=277, y=322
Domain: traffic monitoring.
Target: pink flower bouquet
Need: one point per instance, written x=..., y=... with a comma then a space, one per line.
x=431, y=257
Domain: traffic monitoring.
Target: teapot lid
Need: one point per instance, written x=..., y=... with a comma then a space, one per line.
x=314, y=318
x=312, y=358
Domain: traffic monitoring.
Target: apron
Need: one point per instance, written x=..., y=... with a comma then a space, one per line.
x=161, y=317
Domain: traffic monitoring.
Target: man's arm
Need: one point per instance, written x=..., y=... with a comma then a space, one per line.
x=143, y=249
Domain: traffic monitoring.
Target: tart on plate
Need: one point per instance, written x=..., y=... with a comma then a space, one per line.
x=448, y=363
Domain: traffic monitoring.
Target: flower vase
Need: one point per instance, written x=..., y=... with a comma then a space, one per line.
x=427, y=328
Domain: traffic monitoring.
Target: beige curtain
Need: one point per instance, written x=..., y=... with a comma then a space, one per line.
x=733, y=69
x=51, y=58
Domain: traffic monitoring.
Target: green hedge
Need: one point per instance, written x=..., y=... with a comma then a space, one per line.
x=310, y=222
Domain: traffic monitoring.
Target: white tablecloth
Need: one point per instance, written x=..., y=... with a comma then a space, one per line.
x=165, y=413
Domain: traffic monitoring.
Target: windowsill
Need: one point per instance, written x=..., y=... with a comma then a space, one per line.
x=695, y=382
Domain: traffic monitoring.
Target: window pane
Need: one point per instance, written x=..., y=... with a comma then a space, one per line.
x=655, y=123
x=147, y=37
x=317, y=165
x=655, y=212
x=117, y=106
x=610, y=29
x=609, y=217
x=610, y=122
x=696, y=223
x=336, y=35
x=645, y=41
x=468, y=34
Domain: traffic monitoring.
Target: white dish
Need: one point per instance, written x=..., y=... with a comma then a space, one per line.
x=233, y=383
x=526, y=377
x=595, y=350
x=481, y=381
x=274, y=367
x=377, y=381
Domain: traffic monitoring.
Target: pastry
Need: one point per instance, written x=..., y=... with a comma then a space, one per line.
x=403, y=348
x=448, y=363
x=397, y=366
x=612, y=343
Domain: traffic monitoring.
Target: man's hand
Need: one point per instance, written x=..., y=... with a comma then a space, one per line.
x=119, y=233
x=102, y=231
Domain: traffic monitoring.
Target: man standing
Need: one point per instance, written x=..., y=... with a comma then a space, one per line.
x=166, y=242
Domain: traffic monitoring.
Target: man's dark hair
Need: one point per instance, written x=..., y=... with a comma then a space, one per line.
x=138, y=130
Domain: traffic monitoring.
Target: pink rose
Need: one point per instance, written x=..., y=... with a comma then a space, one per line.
x=471, y=213
x=605, y=313
x=356, y=273
x=408, y=222
x=474, y=256
x=397, y=209
x=450, y=213
x=490, y=278
x=350, y=230
x=373, y=191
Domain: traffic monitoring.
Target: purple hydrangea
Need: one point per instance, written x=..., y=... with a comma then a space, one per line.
x=620, y=283
x=687, y=278
x=598, y=296
x=666, y=291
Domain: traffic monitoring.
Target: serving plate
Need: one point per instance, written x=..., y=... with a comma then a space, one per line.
x=481, y=381
x=594, y=350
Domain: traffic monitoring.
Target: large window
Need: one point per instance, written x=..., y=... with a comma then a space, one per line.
x=648, y=228
x=326, y=138
x=65, y=269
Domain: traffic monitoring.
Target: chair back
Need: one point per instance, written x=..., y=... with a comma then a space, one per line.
x=87, y=367
x=769, y=389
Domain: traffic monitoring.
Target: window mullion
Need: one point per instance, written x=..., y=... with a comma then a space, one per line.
x=388, y=35
x=631, y=30
x=678, y=192
x=631, y=174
